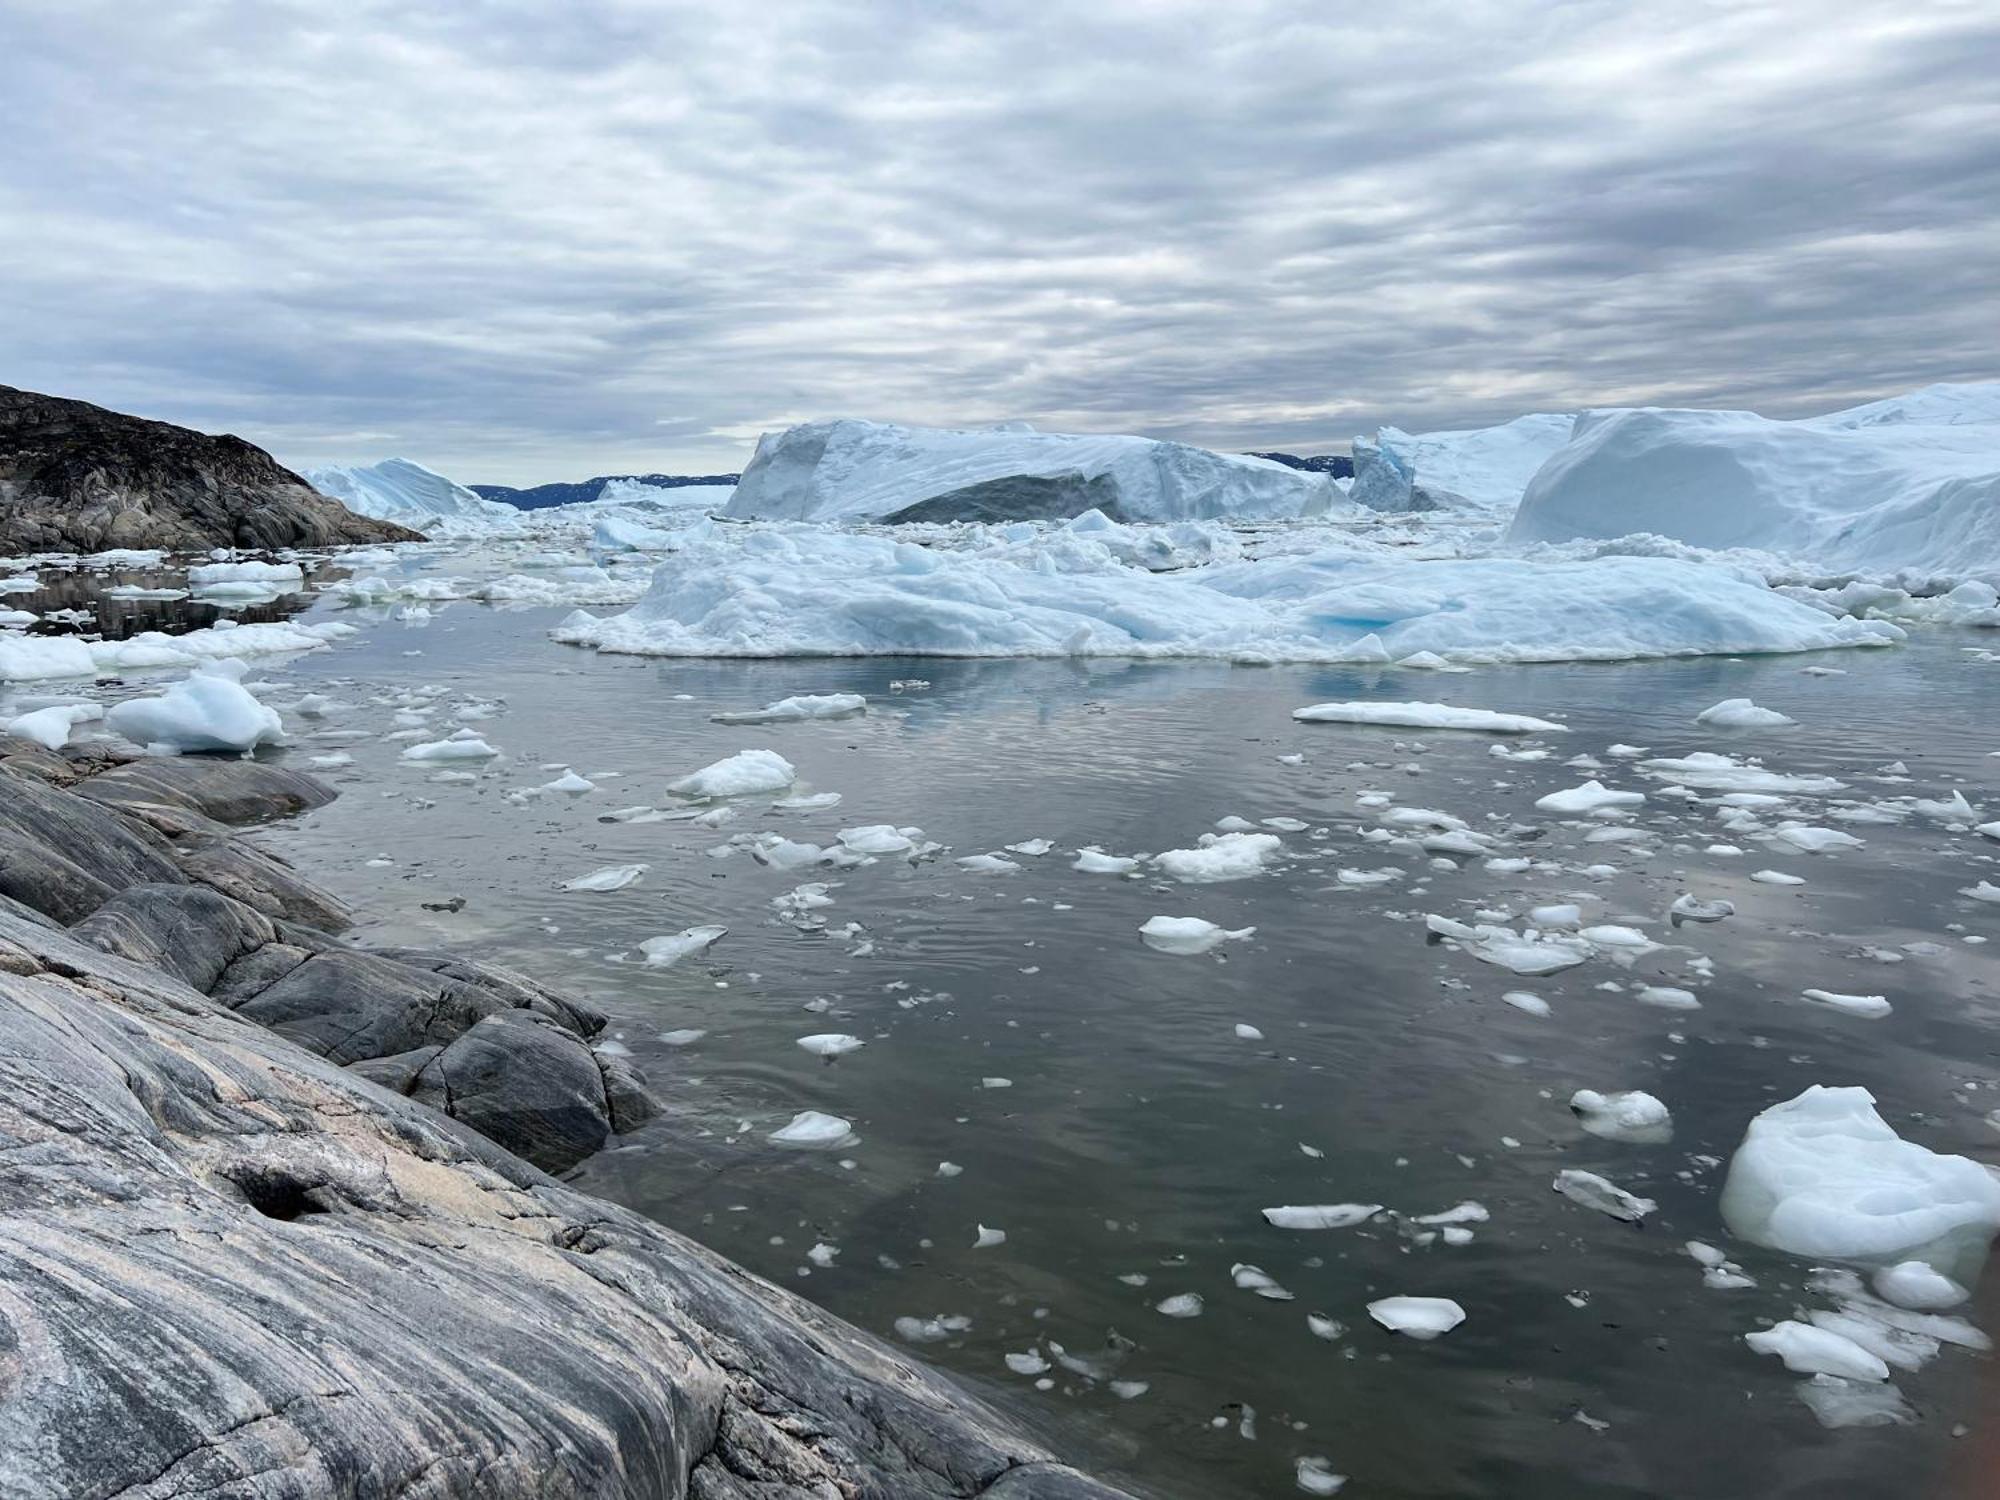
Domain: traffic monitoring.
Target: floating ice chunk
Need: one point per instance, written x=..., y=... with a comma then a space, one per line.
x=1321, y=1215
x=831, y=1044
x=209, y=711
x=1417, y=1317
x=804, y=706
x=1559, y=918
x=988, y=1238
x=1667, y=997
x=1523, y=1000
x=571, y=784
x=1868, y=1007
x=1094, y=861
x=1314, y=1475
x=949, y=1169
x=1776, y=877
x=813, y=802
x=610, y=878
x=1253, y=1279
x=879, y=839
x=1628, y=1116
x=781, y=853
x=1855, y=1403
x=1221, y=856
x=1823, y=1176
x=1991, y=830
x=1248, y=1033
x=1808, y=839
x=1606, y=1197
x=743, y=774
x=1918, y=1286
x=1689, y=907
x=1181, y=1305
x=930, y=1330
x=51, y=727
x=665, y=952
x=811, y=1127
x=685, y=1036
x=1591, y=797
x=1363, y=878
x=1706, y=771
x=1807, y=1350
x=464, y=745
x=1028, y=1363
x=1985, y=890
x=1612, y=935
x=1426, y=716
x=1188, y=935
x=823, y=1255
x=246, y=572
x=1741, y=713
x=1516, y=952
x=989, y=864
x=1033, y=848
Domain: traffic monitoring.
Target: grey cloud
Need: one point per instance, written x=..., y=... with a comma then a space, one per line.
x=526, y=241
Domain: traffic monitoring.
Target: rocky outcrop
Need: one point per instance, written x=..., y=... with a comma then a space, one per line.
x=78, y=478
x=232, y=1267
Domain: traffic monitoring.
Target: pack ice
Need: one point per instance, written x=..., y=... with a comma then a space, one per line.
x=849, y=470
x=1824, y=1176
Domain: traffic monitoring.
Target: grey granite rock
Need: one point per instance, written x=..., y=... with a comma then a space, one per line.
x=525, y=1081
x=229, y=1269
x=111, y=847
x=398, y=1074
x=48, y=882
x=188, y=931
x=348, y=1005
x=234, y=792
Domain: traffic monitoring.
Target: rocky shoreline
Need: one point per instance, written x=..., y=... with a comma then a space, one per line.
x=275, y=1218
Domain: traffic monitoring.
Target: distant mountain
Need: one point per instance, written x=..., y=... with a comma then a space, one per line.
x=1339, y=465
x=78, y=478
x=541, y=496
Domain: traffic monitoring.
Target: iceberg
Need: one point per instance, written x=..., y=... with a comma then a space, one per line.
x=848, y=470
x=1823, y=1176
x=776, y=591
x=210, y=711
x=398, y=490
x=1478, y=469
x=1906, y=486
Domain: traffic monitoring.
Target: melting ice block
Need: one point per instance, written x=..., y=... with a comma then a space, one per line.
x=743, y=774
x=1426, y=716
x=1824, y=1176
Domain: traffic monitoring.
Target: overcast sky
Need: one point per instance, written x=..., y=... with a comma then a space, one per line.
x=529, y=241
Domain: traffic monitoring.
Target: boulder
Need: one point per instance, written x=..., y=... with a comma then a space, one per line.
x=188, y=931
x=39, y=878
x=112, y=848
x=525, y=1081
x=234, y=792
x=347, y=1005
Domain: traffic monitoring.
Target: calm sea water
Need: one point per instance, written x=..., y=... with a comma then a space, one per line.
x=1137, y=1134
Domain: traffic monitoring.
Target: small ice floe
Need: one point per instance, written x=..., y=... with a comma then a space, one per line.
x=1519, y=953
x=1320, y=1326
x=810, y=802
x=804, y=706
x=1807, y=1350
x=1809, y=839
x=989, y=864
x=686, y=1036
x=823, y=1255
x=665, y=952
x=1741, y=713
x=1221, y=856
x=1029, y=1362
x=1321, y=1215
x=744, y=774
x=1094, y=861
x=1313, y=1474
x=1180, y=1305
x=877, y=840
x=1362, y=879
x=1718, y=1271
x=330, y=762
x=51, y=727
x=1527, y=1002
x=1606, y=1197
x=1667, y=997
x=1188, y=935
x=1689, y=907
x=811, y=1127
x=1918, y=1286
x=570, y=784
x=1033, y=848
x=1417, y=1317
x=1824, y=1176
x=610, y=878
x=1838, y=1402
x=831, y=1044
x=210, y=711
x=949, y=1169
x=1251, y=1278
x=1868, y=1007
x=1248, y=1033
x=1425, y=716
x=1583, y=801
x=988, y=1238
x=931, y=1330
x=1985, y=890
x=1707, y=771
x=463, y=745
x=1776, y=877
x=1630, y=1115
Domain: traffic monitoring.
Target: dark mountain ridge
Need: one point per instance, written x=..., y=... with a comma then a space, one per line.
x=542, y=496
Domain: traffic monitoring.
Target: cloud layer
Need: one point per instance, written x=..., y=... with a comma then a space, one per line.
x=522, y=241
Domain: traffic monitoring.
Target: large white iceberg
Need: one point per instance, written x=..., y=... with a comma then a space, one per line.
x=872, y=471
x=1825, y=1177
x=399, y=490
x=1906, y=486
x=771, y=591
x=1476, y=469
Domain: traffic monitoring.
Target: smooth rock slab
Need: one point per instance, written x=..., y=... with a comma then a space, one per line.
x=347, y=1005
x=235, y=792
x=526, y=1082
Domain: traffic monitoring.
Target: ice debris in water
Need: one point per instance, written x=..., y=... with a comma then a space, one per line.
x=463, y=745
x=1519, y=953
x=571, y=783
x=1033, y=848
x=1591, y=797
x=610, y=878
x=804, y=706
x=665, y=952
x=1838, y=1402
x=1417, y=1317
x=1868, y=1007
x=831, y=1044
x=1689, y=907
x=1180, y=1305
x=1920, y=1287
x=989, y=864
x=743, y=774
x=1741, y=713
x=1094, y=861
x=51, y=727
x=811, y=1127
x=1985, y=890
x=1221, y=856
x=1807, y=1350
x=1606, y=1197
x=1314, y=1475
x=1321, y=1215
x=931, y=1330
x=1425, y=716
x=1524, y=1000
x=210, y=711
x=1628, y=1116
x=1253, y=1279
x=1188, y=935
x=1824, y=1176
x=988, y=1238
